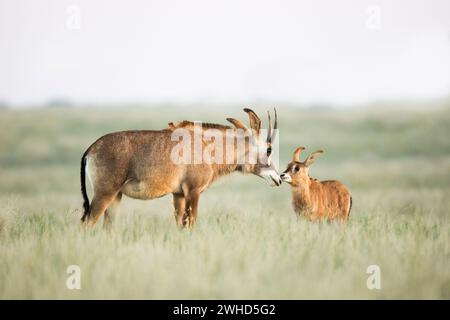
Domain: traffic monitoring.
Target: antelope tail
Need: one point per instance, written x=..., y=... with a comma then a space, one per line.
x=350, y=208
x=83, y=187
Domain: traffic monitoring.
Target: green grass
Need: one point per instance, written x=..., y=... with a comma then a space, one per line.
x=247, y=243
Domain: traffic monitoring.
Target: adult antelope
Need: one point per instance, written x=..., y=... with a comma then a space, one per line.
x=316, y=200
x=140, y=164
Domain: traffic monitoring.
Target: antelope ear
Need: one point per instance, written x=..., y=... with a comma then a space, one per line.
x=310, y=160
x=296, y=155
x=255, y=122
x=237, y=123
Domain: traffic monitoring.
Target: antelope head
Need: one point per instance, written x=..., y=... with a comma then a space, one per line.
x=258, y=150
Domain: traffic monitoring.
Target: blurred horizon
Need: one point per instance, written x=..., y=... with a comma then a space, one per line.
x=259, y=106
x=318, y=54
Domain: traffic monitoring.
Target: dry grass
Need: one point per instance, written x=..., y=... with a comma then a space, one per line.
x=248, y=242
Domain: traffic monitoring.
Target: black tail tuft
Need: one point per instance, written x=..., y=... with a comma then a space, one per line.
x=83, y=187
x=351, y=203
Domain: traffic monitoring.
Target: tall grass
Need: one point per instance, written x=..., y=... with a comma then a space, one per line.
x=248, y=243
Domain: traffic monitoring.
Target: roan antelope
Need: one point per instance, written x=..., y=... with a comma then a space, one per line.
x=316, y=200
x=140, y=164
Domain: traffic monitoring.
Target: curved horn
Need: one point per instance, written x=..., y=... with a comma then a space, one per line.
x=275, y=126
x=255, y=122
x=297, y=152
x=276, y=119
x=269, y=131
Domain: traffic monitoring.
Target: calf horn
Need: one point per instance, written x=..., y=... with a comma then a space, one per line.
x=297, y=152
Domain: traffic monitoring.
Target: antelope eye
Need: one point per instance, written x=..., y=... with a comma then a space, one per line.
x=296, y=168
x=269, y=151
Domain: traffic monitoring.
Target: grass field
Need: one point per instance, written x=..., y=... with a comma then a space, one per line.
x=247, y=243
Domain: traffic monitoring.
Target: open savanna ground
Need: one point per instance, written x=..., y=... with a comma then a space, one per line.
x=247, y=243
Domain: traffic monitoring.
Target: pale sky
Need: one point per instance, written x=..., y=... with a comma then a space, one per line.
x=301, y=52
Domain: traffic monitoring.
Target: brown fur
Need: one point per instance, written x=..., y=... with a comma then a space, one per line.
x=190, y=125
x=138, y=164
x=316, y=200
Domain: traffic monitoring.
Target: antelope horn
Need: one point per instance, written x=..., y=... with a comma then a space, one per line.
x=269, y=131
x=296, y=156
x=275, y=126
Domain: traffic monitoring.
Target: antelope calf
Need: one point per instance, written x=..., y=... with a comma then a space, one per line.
x=316, y=200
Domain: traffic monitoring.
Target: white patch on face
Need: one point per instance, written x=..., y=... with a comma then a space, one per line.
x=271, y=175
x=286, y=177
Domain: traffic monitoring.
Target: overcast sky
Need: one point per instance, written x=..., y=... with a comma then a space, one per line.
x=306, y=52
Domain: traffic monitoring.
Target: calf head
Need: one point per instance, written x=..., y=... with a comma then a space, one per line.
x=297, y=172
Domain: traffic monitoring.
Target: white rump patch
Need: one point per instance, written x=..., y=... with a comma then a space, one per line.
x=89, y=173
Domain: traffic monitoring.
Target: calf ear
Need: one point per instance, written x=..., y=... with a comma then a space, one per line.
x=313, y=156
x=237, y=123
